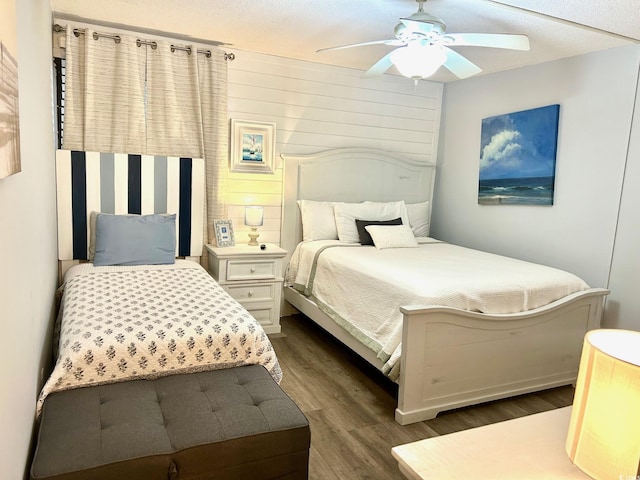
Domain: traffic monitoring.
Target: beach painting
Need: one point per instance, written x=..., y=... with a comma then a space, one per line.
x=9, y=120
x=518, y=157
x=252, y=146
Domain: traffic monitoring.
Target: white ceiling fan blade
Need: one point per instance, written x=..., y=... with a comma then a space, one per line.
x=494, y=40
x=379, y=67
x=393, y=42
x=460, y=66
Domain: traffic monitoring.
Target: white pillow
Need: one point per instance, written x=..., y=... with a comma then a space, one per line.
x=346, y=214
x=419, y=218
x=392, y=236
x=318, y=221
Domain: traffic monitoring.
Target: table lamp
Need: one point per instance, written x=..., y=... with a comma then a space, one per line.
x=604, y=431
x=253, y=217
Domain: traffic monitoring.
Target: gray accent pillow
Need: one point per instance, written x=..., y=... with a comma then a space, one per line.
x=135, y=239
x=365, y=238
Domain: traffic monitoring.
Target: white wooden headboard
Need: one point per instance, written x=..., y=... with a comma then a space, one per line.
x=350, y=175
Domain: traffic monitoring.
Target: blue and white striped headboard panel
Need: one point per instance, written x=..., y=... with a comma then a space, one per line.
x=125, y=183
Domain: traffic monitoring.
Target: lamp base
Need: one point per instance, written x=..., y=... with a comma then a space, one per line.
x=253, y=237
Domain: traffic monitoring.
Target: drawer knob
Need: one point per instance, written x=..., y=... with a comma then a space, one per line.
x=250, y=293
x=253, y=269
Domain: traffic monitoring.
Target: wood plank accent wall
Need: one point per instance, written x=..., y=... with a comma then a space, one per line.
x=318, y=107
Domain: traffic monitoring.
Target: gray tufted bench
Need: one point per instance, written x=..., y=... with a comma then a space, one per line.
x=235, y=424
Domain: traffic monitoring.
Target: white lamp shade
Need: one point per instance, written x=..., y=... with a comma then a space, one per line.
x=604, y=431
x=418, y=61
x=253, y=216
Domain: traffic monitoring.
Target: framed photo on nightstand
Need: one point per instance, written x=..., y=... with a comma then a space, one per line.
x=224, y=233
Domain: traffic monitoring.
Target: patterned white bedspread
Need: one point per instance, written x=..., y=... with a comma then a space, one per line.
x=121, y=323
x=362, y=288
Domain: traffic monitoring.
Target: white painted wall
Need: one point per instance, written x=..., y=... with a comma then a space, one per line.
x=596, y=94
x=623, y=305
x=28, y=256
x=316, y=108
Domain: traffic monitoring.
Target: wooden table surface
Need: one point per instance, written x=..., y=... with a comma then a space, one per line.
x=531, y=447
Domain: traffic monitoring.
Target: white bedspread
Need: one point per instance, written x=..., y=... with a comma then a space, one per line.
x=362, y=288
x=121, y=323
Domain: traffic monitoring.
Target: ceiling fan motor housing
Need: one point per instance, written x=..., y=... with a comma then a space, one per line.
x=419, y=25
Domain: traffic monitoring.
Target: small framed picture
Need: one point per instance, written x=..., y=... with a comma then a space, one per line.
x=224, y=233
x=251, y=146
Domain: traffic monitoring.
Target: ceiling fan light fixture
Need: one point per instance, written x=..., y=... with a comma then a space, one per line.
x=417, y=61
x=425, y=46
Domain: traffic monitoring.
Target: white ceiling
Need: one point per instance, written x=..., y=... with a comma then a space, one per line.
x=297, y=28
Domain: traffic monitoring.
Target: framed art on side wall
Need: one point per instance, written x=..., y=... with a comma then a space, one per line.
x=251, y=146
x=518, y=157
x=224, y=233
x=10, y=124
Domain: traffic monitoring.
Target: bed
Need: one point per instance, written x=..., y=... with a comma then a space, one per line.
x=446, y=349
x=144, y=307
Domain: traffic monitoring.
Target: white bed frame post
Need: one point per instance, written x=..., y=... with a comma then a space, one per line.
x=291, y=226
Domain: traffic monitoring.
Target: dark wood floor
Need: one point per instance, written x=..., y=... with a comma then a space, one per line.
x=350, y=406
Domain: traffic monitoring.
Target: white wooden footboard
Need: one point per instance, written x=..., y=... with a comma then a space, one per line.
x=453, y=358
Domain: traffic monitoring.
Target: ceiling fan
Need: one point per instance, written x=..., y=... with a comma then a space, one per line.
x=424, y=46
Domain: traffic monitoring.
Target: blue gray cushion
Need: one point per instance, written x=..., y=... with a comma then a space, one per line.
x=135, y=239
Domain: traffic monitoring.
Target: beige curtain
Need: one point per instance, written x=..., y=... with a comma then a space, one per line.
x=150, y=98
x=104, y=97
x=174, y=118
x=212, y=76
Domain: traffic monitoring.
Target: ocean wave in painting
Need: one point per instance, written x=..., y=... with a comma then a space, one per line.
x=531, y=191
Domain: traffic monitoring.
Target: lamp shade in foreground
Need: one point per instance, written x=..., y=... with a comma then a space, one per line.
x=604, y=431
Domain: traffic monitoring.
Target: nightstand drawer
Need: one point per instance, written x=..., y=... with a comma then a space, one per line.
x=252, y=293
x=264, y=315
x=251, y=270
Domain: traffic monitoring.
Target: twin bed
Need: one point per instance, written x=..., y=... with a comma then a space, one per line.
x=452, y=326
x=135, y=309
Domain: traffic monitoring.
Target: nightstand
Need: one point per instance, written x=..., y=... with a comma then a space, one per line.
x=253, y=277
